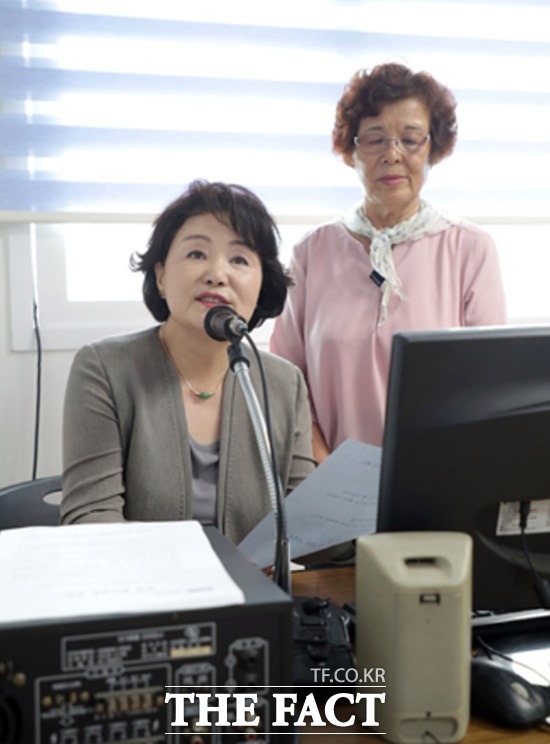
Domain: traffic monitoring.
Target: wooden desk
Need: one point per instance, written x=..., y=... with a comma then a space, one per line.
x=339, y=585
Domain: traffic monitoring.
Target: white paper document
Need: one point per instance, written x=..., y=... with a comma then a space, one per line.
x=338, y=502
x=98, y=569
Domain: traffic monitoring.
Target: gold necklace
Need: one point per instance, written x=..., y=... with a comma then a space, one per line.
x=204, y=395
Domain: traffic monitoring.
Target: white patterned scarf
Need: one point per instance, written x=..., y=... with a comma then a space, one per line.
x=426, y=221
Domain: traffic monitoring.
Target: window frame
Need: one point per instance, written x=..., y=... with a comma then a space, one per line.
x=68, y=325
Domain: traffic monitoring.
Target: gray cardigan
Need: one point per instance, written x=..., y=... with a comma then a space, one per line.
x=126, y=447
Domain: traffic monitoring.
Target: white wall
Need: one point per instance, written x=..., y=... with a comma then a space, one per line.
x=17, y=398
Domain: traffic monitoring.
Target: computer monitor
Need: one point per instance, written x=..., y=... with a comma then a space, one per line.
x=467, y=430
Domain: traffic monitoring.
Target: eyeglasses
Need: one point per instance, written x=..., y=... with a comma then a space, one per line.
x=407, y=144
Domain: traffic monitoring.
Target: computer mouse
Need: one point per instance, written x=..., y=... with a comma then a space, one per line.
x=504, y=697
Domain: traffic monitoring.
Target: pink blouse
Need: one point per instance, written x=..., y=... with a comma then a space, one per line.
x=329, y=325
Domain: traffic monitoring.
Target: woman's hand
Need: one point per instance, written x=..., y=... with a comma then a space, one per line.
x=320, y=449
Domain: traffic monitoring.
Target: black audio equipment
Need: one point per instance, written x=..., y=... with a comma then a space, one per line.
x=104, y=679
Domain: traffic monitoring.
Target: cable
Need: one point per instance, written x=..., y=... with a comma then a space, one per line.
x=281, y=525
x=491, y=651
x=541, y=586
x=282, y=557
x=38, y=395
x=36, y=331
x=429, y=737
x=261, y=422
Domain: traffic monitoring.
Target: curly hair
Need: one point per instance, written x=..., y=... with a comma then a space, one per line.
x=234, y=206
x=368, y=92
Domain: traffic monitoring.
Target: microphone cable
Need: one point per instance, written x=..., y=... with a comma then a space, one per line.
x=218, y=324
x=281, y=515
x=282, y=527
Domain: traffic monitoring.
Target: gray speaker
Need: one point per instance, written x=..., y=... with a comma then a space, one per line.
x=413, y=604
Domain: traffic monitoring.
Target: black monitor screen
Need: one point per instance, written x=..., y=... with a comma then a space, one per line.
x=467, y=430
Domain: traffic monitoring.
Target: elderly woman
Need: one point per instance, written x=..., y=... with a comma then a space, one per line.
x=155, y=428
x=393, y=263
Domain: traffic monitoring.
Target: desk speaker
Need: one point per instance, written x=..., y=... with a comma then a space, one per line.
x=413, y=599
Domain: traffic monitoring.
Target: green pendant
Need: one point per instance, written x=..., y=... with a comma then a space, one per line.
x=204, y=396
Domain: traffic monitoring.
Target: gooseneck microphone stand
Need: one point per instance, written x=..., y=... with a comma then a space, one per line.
x=239, y=363
x=320, y=634
x=222, y=323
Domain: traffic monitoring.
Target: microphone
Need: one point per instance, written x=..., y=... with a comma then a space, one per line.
x=377, y=278
x=222, y=323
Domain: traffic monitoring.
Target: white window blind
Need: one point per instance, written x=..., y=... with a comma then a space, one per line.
x=108, y=108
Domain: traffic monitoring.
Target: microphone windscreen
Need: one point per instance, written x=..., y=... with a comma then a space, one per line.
x=215, y=320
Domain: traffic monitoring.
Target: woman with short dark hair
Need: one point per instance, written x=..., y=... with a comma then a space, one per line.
x=155, y=428
x=393, y=263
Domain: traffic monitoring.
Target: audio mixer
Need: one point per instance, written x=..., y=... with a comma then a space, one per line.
x=104, y=679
